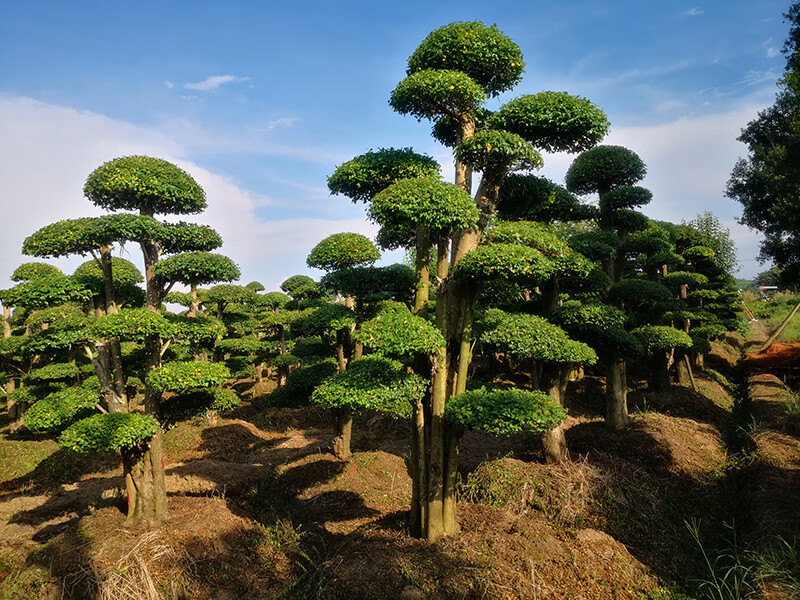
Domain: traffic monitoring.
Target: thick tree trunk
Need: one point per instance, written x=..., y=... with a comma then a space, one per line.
x=616, y=395
x=6, y=322
x=419, y=472
x=452, y=440
x=554, y=381
x=659, y=372
x=344, y=430
x=423, y=268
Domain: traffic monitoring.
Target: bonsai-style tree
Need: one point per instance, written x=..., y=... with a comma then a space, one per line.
x=552, y=354
x=454, y=70
x=149, y=186
x=611, y=172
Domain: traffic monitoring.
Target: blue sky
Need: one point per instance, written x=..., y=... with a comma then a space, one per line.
x=260, y=101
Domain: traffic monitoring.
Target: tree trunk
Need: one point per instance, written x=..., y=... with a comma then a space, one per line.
x=344, y=430
x=659, y=371
x=554, y=381
x=6, y=322
x=616, y=395
x=452, y=440
x=423, y=268
x=419, y=473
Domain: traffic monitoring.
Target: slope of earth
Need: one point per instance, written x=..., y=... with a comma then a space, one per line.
x=261, y=509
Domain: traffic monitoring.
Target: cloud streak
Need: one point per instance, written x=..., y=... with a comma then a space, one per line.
x=214, y=83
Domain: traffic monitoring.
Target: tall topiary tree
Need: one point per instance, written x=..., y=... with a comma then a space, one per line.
x=149, y=186
x=452, y=73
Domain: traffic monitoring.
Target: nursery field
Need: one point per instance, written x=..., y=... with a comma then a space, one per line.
x=696, y=498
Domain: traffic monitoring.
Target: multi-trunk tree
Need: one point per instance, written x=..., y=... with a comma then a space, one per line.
x=149, y=186
x=450, y=76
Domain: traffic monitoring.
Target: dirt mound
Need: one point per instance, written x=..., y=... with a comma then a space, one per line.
x=662, y=442
x=778, y=355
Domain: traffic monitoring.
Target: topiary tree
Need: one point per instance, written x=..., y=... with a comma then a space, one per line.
x=553, y=356
x=149, y=186
x=369, y=383
x=452, y=73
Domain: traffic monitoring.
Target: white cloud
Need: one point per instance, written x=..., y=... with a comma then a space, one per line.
x=283, y=122
x=213, y=83
x=169, y=85
x=772, y=52
x=47, y=151
x=752, y=78
x=694, y=12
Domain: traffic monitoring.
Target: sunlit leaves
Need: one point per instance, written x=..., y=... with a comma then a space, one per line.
x=367, y=174
x=553, y=121
x=117, y=431
x=482, y=52
x=146, y=184
x=505, y=412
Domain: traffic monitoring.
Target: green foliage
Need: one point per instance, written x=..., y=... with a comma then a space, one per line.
x=372, y=283
x=541, y=237
x=504, y=412
x=196, y=268
x=226, y=293
x=484, y=53
x=194, y=403
x=48, y=290
x=187, y=237
x=34, y=270
x=574, y=314
x=132, y=324
x=509, y=261
x=603, y=168
x=375, y=383
x=530, y=336
x=150, y=185
x=367, y=174
x=343, y=251
x=179, y=376
x=596, y=245
x=626, y=196
x=273, y=300
x=59, y=409
x=445, y=129
x=424, y=201
x=52, y=372
x=66, y=329
x=54, y=315
x=306, y=349
x=394, y=331
x=676, y=279
x=301, y=286
x=716, y=237
x=197, y=331
x=528, y=197
x=330, y=317
x=635, y=292
x=124, y=274
x=256, y=286
x=494, y=151
x=116, y=431
x=608, y=342
x=301, y=383
x=243, y=346
x=661, y=337
x=434, y=93
x=33, y=393
x=284, y=360
x=553, y=121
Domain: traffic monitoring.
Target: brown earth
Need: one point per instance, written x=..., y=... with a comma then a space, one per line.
x=261, y=509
